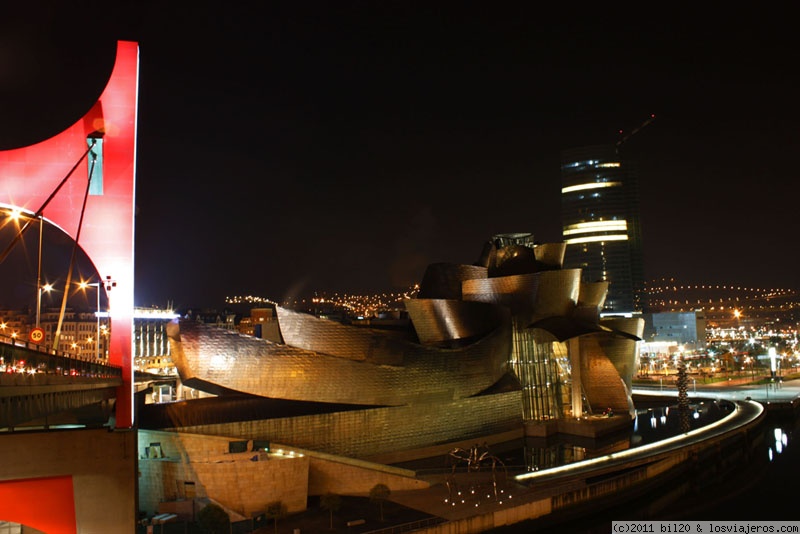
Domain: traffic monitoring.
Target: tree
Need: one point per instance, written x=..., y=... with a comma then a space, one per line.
x=214, y=519
x=332, y=503
x=276, y=510
x=683, y=395
x=379, y=493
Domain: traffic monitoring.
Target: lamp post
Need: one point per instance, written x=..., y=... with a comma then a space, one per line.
x=39, y=277
x=48, y=288
x=96, y=285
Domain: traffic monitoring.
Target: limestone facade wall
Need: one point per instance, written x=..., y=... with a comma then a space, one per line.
x=345, y=476
x=370, y=432
x=188, y=466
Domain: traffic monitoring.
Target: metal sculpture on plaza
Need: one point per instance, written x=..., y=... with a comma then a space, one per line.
x=476, y=458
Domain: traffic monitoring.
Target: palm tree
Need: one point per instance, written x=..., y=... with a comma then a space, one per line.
x=379, y=493
x=332, y=503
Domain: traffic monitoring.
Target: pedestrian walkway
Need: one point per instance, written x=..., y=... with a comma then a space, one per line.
x=779, y=391
x=442, y=500
x=437, y=499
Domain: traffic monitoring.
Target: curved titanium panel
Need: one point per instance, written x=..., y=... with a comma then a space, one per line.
x=437, y=320
x=513, y=260
x=443, y=280
x=593, y=294
x=623, y=351
x=323, y=336
x=551, y=255
x=591, y=298
x=602, y=384
x=541, y=294
x=563, y=328
x=517, y=293
x=206, y=355
x=558, y=292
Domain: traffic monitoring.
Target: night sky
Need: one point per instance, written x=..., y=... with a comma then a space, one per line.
x=343, y=146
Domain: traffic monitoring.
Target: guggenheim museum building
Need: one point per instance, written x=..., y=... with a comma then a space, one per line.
x=512, y=342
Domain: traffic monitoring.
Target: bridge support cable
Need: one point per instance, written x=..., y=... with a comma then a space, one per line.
x=38, y=213
x=68, y=282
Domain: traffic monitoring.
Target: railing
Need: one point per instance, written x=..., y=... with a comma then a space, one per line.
x=408, y=527
x=21, y=356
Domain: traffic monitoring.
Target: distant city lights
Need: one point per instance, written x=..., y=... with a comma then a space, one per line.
x=358, y=305
x=735, y=301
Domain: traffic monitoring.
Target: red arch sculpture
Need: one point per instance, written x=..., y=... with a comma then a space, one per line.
x=31, y=175
x=31, y=179
x=46, y=504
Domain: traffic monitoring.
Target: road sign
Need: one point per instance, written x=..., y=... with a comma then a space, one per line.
x=37, y=335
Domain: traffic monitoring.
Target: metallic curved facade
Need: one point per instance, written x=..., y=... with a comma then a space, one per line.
x=591, y=299
x=540, y=294
x=468, y=330
x=602, y=385
x=551, y=255
x=512, y=260
x=438, y=321
x=622, y=350
x=443, y=280
x=360, y=366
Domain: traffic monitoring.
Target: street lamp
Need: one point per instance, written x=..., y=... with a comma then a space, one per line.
x=48, y=288
x=96, y=285
x=39, y=276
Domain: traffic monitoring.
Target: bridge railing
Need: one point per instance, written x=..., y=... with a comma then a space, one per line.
x=21, y=356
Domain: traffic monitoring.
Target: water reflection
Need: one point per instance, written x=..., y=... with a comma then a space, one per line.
x=781, y=440
x=749, y=486
x=654, y=422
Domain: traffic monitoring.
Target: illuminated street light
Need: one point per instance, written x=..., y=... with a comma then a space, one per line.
x=39, y=276
x=47, y=288
x=96, y=285
x=16, y=215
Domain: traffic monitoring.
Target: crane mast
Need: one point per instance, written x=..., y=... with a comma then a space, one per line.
x=634, y=131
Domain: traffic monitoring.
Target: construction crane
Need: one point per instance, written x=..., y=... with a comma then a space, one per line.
x=634, y=131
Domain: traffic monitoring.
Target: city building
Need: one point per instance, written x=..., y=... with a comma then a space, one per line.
x=513, y=344
x=508, y=348
x=684, y=329
x=82, y=334
x=150, y=345
x=600, y=221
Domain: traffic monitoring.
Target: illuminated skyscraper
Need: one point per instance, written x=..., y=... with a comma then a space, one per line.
x=600, y=218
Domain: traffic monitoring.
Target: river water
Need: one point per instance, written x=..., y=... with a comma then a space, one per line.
x=756, y=487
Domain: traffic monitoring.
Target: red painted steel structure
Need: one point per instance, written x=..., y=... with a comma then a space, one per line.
x=46, y=504
x=31, y=178
x=31, y=174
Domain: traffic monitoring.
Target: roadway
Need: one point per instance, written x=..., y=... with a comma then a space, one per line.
x=781, y=391
x=38, y=386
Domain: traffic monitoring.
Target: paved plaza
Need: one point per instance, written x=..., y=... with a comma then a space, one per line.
x=437, y=501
